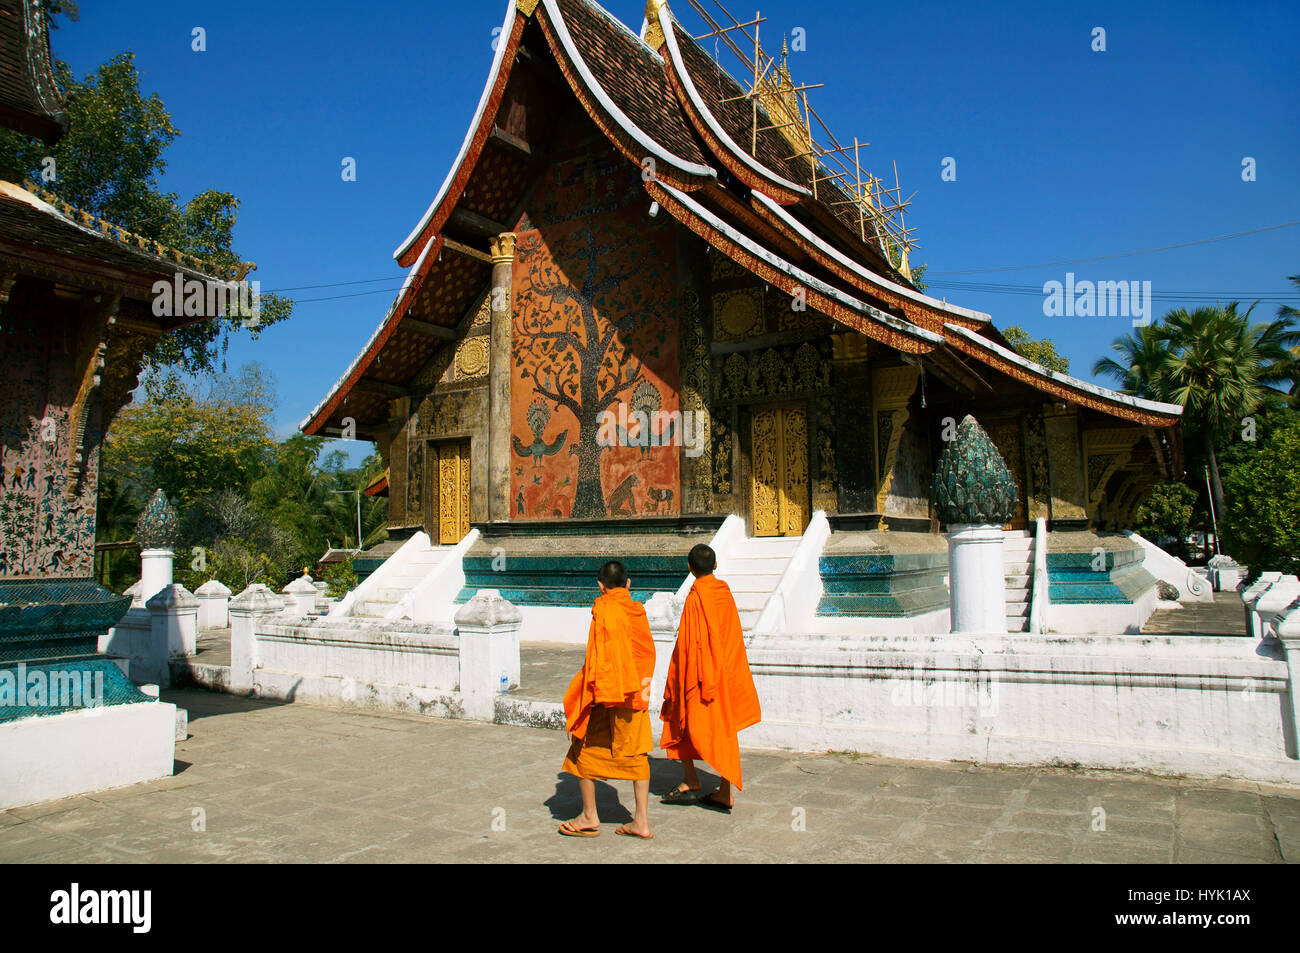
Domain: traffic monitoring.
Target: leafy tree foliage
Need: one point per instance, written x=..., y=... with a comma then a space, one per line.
x=1262, y=522
x=1216, y=363
x=1167, y=516
x=109, y=164
x=256, y=509
x=1039, y=350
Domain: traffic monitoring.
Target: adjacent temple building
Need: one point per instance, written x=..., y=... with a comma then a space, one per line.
x=644, y=300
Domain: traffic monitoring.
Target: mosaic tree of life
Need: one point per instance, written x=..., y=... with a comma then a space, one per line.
x=593, y=293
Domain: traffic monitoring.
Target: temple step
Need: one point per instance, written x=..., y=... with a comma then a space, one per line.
x=1018, y=561
x=753, y=572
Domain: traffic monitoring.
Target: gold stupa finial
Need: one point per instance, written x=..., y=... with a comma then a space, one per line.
x=654, y=34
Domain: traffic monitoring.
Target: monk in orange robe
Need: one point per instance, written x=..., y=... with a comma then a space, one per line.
x=607, y=705
x=709, y=697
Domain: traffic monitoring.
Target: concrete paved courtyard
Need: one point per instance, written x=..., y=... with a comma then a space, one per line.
x=260, y=782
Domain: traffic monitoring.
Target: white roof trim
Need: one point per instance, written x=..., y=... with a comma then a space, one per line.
x=800, y=275
x=406, y=284
x=866, y=273
x=594, y=87
x=1138, y=403
x=506, y=26
x=670, y=37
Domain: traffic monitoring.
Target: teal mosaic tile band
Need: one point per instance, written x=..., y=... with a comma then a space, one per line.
x=53, y=618
x=1115, y=578
x=35, y=689
x=882, y=585
x=566, y=580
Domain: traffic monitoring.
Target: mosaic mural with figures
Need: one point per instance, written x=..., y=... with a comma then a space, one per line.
x=44, y=532
x=594, y=302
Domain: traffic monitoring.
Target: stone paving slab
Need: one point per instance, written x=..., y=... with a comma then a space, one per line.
x=261, y=782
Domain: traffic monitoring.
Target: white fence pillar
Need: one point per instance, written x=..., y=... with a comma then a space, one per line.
x=254, y=603
x=174, y=611
x=214, y=604
x=488, y=630
x=155, y=572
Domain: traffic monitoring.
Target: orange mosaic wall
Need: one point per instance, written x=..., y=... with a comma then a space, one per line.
x=594, y=342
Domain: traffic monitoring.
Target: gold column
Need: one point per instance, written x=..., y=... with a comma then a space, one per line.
x=1065, y=462
x=503, y=261
x=891, y=391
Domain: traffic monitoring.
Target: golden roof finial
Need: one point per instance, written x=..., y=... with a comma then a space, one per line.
x=654, y=35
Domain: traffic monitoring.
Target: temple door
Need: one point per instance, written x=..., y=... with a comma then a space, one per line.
x=779, y=495
x=453, y=491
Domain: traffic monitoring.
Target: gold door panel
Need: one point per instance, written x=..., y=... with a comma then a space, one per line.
x=453, y=491
x=779, y=493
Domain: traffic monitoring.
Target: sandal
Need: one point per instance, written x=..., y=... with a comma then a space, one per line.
x=630, y=833
x=678, y=796
x=568, y=830
x=709, y=802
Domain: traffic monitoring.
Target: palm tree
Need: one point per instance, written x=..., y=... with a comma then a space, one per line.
x=1140, y=369
x=1214, y=362
x=1287, y=312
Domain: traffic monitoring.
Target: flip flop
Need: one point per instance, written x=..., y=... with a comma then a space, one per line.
x=568, y=830
x=678, y=796
x=708, y=802
x=627, y=833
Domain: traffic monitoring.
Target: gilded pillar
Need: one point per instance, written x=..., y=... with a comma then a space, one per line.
x=1065, y=463
x=891, y=392
x=503, y=261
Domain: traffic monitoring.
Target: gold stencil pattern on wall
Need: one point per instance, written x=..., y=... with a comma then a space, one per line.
x=737, y=314
x=472, y=357
x=1005, y=435
x=780, y=471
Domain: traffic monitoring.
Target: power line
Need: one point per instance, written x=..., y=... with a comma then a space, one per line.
x=1270, y=297
x=1125, y=254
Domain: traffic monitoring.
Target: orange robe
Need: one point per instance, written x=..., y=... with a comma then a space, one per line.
x=709, y=697
x=611, y=694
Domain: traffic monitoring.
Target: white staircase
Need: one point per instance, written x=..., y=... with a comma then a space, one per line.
x=386, y=593
x=1018, y=553
x=752, y=569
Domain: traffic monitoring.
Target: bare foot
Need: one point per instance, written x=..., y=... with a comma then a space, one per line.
x=634, y=829
x=717, y=801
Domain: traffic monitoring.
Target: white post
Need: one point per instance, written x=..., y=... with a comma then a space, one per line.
x=214, y=604
x=664, y=612
x=246, y=609
x=1251, y=596
x=155, y=572
x=488, y=629
x=1288, y=633
x=303, y=594
x=174, y=620
x=977, y=579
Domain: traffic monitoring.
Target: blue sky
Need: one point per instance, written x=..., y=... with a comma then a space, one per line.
x=1061, y=152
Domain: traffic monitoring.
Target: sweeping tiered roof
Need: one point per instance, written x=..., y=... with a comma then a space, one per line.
x=30, y=101
x=662, y=101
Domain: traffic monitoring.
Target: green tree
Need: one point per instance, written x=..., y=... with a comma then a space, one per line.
x=189, y=441
x=1220, y=368
x=1166, y=516
x=1141, y=366
x=1215, y=363
x=109, y=164
x=1039, y=350
x=1262, y=520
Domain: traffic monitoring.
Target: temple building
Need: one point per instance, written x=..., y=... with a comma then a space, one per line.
x=641, y=303
x=77, y=315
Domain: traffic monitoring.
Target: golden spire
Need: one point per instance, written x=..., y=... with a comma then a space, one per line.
x=654, y=35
